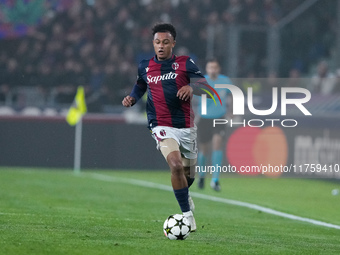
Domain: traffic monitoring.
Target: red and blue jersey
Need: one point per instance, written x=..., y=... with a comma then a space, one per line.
x=163, y=79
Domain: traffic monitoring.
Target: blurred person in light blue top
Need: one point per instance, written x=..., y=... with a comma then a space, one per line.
x=207, y=134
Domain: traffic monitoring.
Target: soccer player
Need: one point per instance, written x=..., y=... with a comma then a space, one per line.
x=167, y=78
x=207, y=134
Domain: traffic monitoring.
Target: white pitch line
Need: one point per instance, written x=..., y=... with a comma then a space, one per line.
x=147, y=184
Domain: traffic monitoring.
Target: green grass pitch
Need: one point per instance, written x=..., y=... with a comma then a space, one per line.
x=44, y=211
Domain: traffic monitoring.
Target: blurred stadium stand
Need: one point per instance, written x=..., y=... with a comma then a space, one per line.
x=48, y=48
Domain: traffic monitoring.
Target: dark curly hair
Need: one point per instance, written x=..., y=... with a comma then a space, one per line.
x=164, y=27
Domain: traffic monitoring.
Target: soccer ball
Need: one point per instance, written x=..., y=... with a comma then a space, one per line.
x=176, y=227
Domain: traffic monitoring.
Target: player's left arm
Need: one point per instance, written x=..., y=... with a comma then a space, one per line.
x=185, y=93
x=198, y=83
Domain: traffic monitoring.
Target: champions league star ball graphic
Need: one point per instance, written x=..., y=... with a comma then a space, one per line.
x=176, y=227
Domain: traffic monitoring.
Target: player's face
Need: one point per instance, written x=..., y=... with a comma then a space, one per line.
x=163, y=42
x=212, y=69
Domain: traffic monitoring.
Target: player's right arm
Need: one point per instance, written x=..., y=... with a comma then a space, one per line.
x=137, y=92
x=128, y=101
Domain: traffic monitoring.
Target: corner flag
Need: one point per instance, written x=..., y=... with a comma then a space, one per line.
x=78, y=108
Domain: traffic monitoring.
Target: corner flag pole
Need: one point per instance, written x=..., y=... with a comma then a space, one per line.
x=75, y=118
x=77, y=146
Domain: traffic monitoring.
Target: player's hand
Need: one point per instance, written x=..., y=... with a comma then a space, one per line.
x=185, y=93
x=128, y=101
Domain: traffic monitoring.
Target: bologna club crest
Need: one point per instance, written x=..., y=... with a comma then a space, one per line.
x=175, y=66
x=162, y=132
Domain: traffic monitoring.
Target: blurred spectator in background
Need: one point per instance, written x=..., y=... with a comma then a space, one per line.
x=337, y=83
x=251, y=82
x=145, y=53
x=323, y=81
x=272, y=81
x=294, y=79
x=4, y=94
x=249, y=8
x=12, y=75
